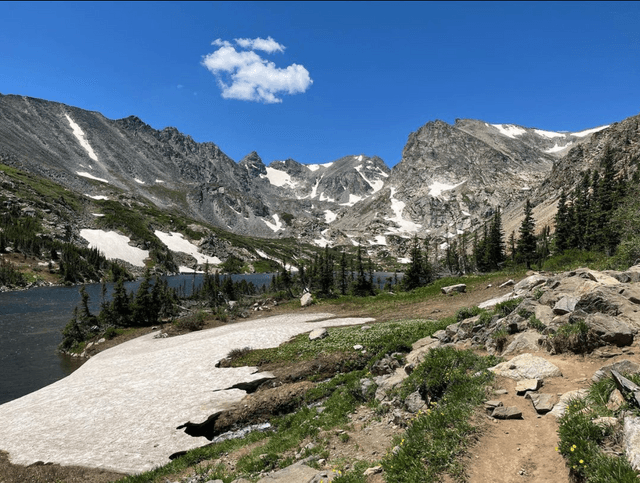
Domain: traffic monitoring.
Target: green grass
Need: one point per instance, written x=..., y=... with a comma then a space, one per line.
x=379, y=338
x=340, y=396
x=572, y=259
x=437, y=437
x=581, y=440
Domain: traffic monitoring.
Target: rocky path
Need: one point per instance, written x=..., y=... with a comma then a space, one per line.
x=521, y=450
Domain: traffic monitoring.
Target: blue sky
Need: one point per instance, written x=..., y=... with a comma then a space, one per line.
x=351, y=78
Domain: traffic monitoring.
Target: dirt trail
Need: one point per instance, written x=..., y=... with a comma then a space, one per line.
x=524, y=450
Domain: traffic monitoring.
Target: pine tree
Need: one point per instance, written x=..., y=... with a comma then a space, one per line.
x=496, y=252
x=419, y=273
x=527, y=241
x=563, y=228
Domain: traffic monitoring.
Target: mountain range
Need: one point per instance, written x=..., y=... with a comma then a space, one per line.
x=451, y=178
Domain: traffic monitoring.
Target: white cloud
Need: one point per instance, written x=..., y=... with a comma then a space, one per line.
x=268, y=45
x=245, y=75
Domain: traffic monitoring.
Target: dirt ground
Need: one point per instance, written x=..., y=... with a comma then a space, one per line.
x=506, y=451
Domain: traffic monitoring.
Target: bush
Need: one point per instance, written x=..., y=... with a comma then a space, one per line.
x=191, y=322
x=574, y=337
x=468, y=312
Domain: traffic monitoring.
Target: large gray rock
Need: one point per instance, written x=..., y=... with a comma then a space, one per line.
x=526, y=385
x=526, y=366
x=461, y=287
x=296, y=473
x=623, y=367
x=529, y=283
x=632, y=440
x=306, y=299
x=560, y=408
x=610, y=329
x=542, y=402
x=565, y=305
x=317, y=334
x=525, y=341
x=414, y=402
x=506, y=412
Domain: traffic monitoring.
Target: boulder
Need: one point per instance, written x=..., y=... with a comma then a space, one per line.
x=306, y=299
x=414, y=402
x=616, y=400
x=526, y=366
x=527, y=385
x=386, y=365
x=610, y=329
x=566, y=399
x=461, y=288
x=506, y=412
x=631, y=433
x=508, y=283
x=498, y=300
x=529, y=283
x=565, y=305
x=542, y=402
x=624, y=367
x=317, y=334
x=291, y=474
x=525, y=341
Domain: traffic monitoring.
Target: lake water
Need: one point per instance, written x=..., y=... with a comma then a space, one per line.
x=31, y=322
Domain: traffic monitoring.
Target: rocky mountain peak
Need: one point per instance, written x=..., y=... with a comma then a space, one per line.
x=254, y=165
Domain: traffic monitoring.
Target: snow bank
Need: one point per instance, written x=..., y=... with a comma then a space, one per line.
x=279, y=178
x=556, y=148
x=404, y=225
x=510, y=130
x=115, y=246
x=176, y=242
x=278, y=224
x=582, y=134
x=437, y=188
x=80, y=136
x=84, y=174
x=548, y=134
x=330, y=216
x=97, y=197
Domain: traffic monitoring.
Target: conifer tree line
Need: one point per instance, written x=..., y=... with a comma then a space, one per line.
x=585, y=217
x=75, y=264
x=152, y=301
x=329, y=273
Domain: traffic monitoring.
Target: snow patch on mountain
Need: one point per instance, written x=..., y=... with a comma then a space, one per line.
x=436, y=188
x=403, y=225
x=556, y=148
x=582, y=134
x=279, y=178
x=115, y=246
x=175, y=241
x=376, y=184
x=138, y=181
x=275, y=227
x=353, y=199
x=84, y=174
x=97, y=197
x=510, y=130
x=548, y=134
x=80, y=136
x=329, y=216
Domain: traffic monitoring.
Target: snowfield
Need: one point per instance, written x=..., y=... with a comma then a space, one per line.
x=80, y=136
x=437, y=188
x=84, y=174
x=176, y=242
x=278, y=224
x=115, y=246
x=404, y=225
